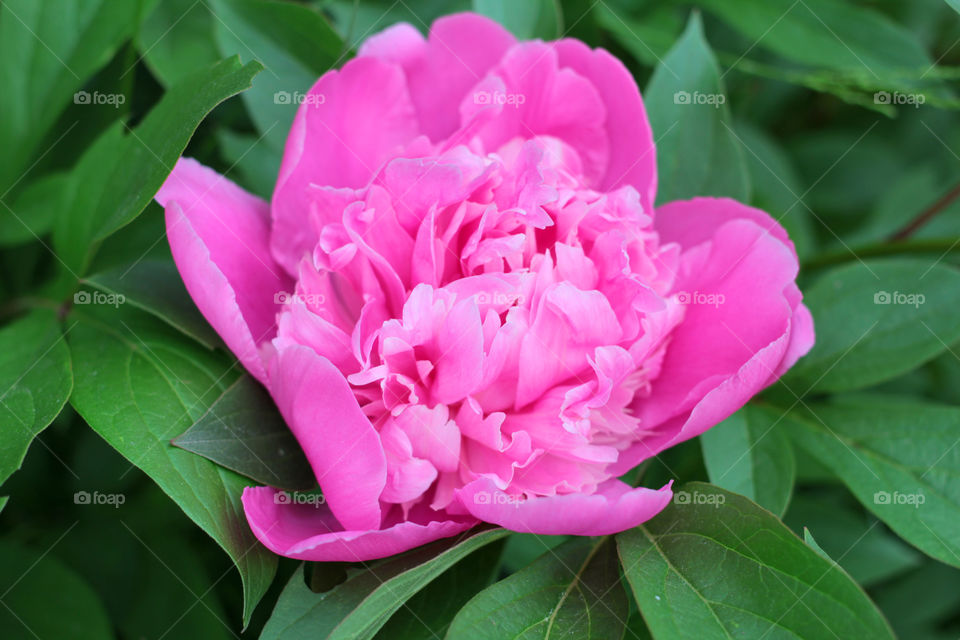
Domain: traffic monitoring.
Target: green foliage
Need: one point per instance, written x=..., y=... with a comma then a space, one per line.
x=833, y=507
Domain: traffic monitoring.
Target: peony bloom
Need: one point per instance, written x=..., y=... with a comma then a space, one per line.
x=463, y=302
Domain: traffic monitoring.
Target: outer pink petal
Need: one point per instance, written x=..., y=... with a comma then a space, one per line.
x=722, y=355
x=218, y=234
x=633, y=158
x=342, y=446
x=440, y=71
x=613, y=508
x=310, y=533
x=350, y=122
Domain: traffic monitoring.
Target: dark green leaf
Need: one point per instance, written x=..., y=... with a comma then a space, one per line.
x=141, y=383
x=716, y=565
x=748, y=454
x=876, y=320
x=359, y=607
x=119, y=175
x=254, y=159
x=294, y=43
x=697, y=153
x=48, y=49
x=571, y=591
x=34, y=211
x=899, y=457
x=176, y=39
x=44, y=600
x=243, y=431
x=156, y=287
x=35, y=382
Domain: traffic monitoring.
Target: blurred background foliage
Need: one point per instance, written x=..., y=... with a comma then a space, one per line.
x=805, y=133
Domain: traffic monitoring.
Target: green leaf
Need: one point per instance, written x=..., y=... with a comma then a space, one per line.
x=141, y=383
x=864, y=548
x=648, y=39
x=719, y=566
x=35, y=382
x=119, y=175
x=573, y=590
x=155, y=286
x=429, y=613
x=748, y=454
x=44, y=600
x=176, y=39
x=252, y=157
x=954, y=3
x=875, y=320
x=899, y=458
x=359, y=607
x=48, y=48
x=697, y=153
x=243, y=431
x=823, y=33
x=808, y=538
x=296, y=45
x=526, y=20
x=34, y=211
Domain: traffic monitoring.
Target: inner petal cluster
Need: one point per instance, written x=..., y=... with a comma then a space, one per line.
x=493, y=316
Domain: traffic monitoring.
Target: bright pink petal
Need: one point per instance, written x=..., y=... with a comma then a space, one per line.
x=632, y=157
x=308, y=532
x=440, y=71
x=738, y=329
x=342, y=446
x=218, y=234
x=613, y=508
x=350, y=122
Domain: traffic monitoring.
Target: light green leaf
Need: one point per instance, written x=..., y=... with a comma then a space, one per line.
x=899, y=458
x=141, y=383
x=35, y=382
x=719, y=566
x=808, y=538
x=875, y=320
x=571, y=591
x=359, y=607
x=748, y=454
x=697, y=153
x=119, y=175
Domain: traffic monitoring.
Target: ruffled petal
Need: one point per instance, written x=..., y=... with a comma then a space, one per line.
x=632, y=156
x=349, y=123
x=460, y=50
x=219, y=236
x=308, y=532
x=613, y=508
x=342, y=446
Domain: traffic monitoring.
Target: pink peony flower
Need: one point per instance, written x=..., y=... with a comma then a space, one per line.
x=462, y=301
